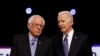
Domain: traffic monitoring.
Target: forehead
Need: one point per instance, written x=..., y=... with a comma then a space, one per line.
x=64, y=16
x=37, y=19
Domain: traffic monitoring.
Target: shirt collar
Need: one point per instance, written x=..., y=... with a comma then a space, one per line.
x=70, y=34
x=31, y=38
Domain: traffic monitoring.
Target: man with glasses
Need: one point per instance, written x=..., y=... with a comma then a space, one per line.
x=31, y=43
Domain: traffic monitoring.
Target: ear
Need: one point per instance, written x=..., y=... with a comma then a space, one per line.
x=72, y=22
x=28, y=25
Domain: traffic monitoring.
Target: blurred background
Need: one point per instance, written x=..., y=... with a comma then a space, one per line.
x=15, y=13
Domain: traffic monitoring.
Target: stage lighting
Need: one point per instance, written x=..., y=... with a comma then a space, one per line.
x=28, y=10
x=73, y=11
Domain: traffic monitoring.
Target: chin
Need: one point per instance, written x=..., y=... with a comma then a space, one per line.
x=62, y=31
x=38, y=34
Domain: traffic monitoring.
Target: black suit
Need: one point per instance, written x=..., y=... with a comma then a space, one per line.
x=21, y=46
x=80, y=45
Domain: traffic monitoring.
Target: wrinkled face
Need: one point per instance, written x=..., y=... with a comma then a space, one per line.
x=36, y=26
x=65, y=23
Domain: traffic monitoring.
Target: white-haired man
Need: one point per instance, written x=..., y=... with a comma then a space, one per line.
x=75, y=44
x=31, y=43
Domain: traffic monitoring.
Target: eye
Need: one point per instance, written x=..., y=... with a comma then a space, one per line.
x=62, y=21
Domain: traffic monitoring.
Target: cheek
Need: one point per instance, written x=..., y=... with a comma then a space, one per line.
x=32, y=29
x=67, y=25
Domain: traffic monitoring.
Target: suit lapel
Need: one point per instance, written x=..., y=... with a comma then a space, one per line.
x=73, y=44
x=39, y=47
x=27, y=46
x=60, y=47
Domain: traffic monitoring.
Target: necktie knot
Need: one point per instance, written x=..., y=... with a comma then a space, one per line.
x=33, y=41
x=65, y=39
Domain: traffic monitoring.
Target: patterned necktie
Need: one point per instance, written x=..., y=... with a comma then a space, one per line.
x=33, y=41
x=65, y=45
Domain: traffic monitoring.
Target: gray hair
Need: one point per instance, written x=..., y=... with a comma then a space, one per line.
x=66, y=12
x=32, y=17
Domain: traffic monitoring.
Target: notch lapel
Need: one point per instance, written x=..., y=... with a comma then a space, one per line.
x=39, y=47
x=27, y=46
x=72, y=50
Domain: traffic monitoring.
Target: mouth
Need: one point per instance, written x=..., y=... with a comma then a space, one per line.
x=61, y=27
x=38, y=31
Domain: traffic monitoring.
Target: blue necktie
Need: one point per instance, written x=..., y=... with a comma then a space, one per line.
x=65, y=45
x=33, y=46
x=33, y=41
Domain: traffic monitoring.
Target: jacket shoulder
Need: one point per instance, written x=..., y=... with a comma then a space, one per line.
x=19, y=36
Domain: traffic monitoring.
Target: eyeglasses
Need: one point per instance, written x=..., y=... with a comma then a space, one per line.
x=37, y=25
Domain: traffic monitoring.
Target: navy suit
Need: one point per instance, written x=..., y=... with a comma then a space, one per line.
x=21, y=46
x=80, y=45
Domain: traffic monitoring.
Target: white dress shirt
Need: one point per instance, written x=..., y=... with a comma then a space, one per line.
x=69, y=37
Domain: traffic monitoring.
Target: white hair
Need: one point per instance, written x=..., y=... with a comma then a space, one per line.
x=66, y=12
x=32, y=17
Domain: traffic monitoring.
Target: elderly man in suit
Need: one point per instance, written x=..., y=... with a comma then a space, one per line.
x=77, y=43
x=32, y=43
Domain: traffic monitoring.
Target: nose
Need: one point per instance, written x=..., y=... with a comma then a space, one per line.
x=39, y=27
x=60, y=23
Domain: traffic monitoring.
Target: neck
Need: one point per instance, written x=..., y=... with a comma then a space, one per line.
x=68, y=30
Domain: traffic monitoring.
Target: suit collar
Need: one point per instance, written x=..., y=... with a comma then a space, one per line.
x=40, y=45
x=75, y=38
x=59, y=43
x=73, y=43
x=27, y=45
x=70, y=34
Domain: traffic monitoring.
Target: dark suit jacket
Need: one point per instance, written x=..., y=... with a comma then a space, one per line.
x=80, y=45
x=21, y=46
